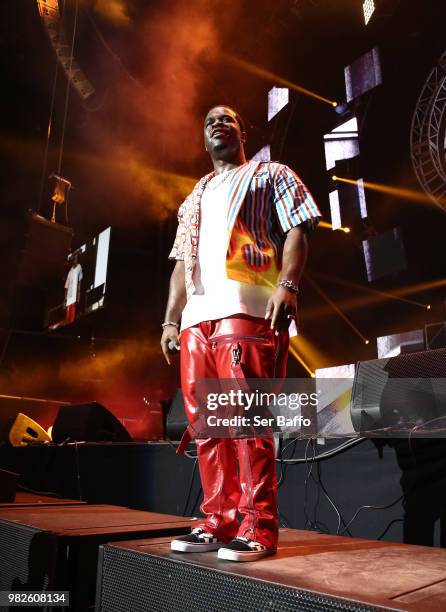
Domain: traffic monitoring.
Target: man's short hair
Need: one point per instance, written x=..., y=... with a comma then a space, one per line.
x=238, y=116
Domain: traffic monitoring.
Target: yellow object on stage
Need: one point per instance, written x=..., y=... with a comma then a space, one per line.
x=25, y=431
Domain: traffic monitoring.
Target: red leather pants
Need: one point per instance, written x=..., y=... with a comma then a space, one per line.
x=238, y=476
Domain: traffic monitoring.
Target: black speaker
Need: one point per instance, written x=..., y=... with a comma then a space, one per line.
x=88, y=423
x=8, y=486
x=144, y=575
x=175, y=418
x=401, y=396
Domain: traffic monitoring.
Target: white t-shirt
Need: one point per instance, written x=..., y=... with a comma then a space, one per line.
x=216, y=296
x=73, y=279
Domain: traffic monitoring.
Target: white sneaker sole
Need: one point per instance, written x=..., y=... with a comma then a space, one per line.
x=190, y=547
x=236, y=555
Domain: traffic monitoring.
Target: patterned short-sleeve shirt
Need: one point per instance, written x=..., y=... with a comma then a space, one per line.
x=266, y=200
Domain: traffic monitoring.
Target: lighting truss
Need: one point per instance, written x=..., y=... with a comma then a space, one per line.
x=428, y=135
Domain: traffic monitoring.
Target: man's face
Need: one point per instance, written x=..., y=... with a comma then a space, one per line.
x=223, y=135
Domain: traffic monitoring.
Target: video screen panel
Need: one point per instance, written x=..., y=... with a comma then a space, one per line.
x=83, y=287
x=363, y=74
x=341, y=143
x=384, y=255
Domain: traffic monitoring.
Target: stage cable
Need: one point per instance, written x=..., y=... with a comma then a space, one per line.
x=48, y=136
x=315, y=524
x=341, y=448
x=281, y=461
x=50, y=121
x=68, y=89
x=398, y=520
x=309, y=466
x=325, y=492
x=370, y=507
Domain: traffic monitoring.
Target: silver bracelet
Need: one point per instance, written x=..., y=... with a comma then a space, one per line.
x=287, y=284
x=169, y=323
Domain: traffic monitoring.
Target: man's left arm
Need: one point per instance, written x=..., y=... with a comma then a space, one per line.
x=282, y=305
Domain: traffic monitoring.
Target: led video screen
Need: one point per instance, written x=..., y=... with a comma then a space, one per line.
x=363, y=75
x=82, y=289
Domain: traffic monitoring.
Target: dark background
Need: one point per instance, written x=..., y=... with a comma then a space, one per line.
x=134, y=150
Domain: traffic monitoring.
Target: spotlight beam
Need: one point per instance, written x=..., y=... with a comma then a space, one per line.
x=375, y=292
x=336, y=308
x=326, y=225
x=298, y=358
x=278, y=80
x=367, y=301
x=399, y=192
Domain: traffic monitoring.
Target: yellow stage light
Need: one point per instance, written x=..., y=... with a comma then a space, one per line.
x=399, y=192
x=298, y=358
x=275, y=78
x=326, y=225
x=373, y=297
x=428, y=307
x=336, y=308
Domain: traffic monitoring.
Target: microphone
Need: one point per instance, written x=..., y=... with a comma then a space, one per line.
x=172, y=346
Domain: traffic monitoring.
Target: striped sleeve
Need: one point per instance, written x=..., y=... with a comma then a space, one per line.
x=177, y=251
x=293, y=202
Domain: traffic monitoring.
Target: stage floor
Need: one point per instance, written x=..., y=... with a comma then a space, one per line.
x=393, y=576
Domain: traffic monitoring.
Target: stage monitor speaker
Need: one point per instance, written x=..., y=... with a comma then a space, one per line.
x=175, y=418
x=8, y=486
x=401, y=396
x=25, y=431
x=144, y=575
x=56, y=548
x=88, y=423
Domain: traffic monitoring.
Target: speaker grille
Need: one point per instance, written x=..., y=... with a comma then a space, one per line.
x=135, y=582
x=24, y=558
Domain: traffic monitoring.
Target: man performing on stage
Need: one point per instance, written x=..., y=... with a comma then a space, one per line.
x=240, y=250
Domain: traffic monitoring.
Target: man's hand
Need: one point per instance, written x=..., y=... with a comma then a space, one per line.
x=281, y=308
x=175, y=304
x=170, y=336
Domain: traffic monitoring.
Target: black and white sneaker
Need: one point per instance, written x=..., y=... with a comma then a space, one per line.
x=243, y=549
x=196, y=541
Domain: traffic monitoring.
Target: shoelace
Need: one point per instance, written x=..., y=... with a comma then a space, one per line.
x=200, y=532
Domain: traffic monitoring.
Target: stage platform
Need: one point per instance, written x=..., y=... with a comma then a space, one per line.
x=311, y=572
x=56, y=547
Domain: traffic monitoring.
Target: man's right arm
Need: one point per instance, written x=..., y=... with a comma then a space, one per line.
x=175, y=304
